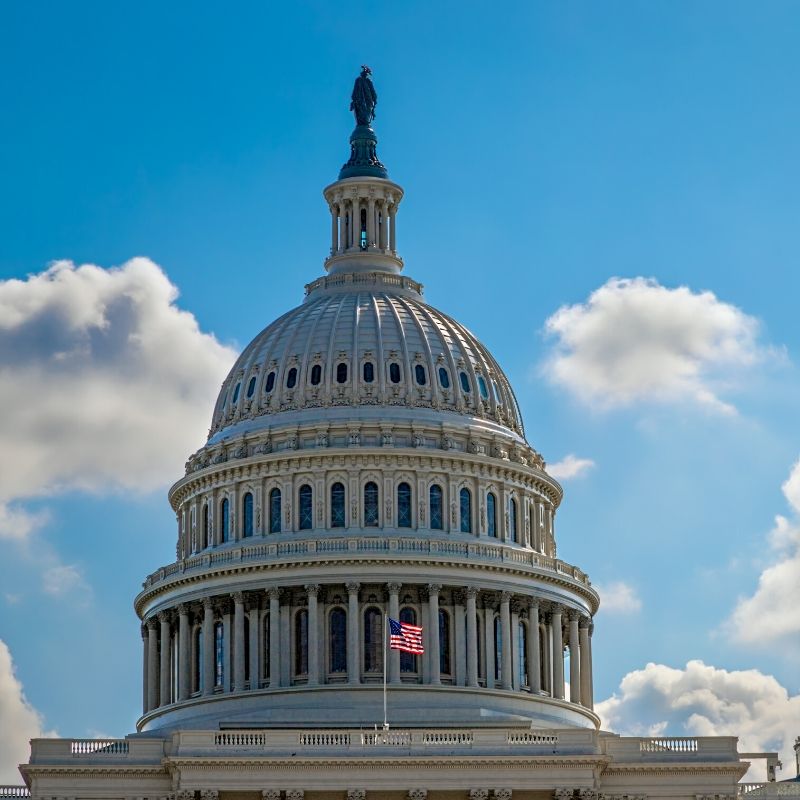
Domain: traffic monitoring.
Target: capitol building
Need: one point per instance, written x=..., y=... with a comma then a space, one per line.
x=367, y=459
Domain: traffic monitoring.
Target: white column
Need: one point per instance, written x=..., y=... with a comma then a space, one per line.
x=313, y=634
x=433, y=638
x=586, y=669
x=238, y=642
x=164, y=689
x=488, y=641
x=342, y=226
x=472, y=637
x=353, y=638
x=145, y=669
x=184, y=677
x=152, y=665
x=209, y=660
x=534, y=671
x=505, y=636
x=255, y=639
x=334, y=229
x=394, y=613
x=392, y=232
x=274, y=638
x=558, y=654
x=574, y=659
x=382, y=228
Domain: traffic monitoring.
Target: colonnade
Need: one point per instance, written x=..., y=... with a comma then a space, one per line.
x=333, y=634
x=376, y=232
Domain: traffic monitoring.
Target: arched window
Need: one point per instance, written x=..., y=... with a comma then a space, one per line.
x=306, y=510
x=394, y=372
x=482, y=387
x=522, y=653
x=491, y=515
x=369, y=372
x=270, y=383
x=341, y=373
x=316, y=375
x=408, y=661
x=464, y=382
x=444, y=378
x=251, y=387
x=419, y=374
x=403, y=505
x=219, y=654
x=371, y=505
x=444, y=642
x=301, y=642
x=247, y=514
x=373, y=640
x=466, y=510
x=225, y=520
x=265, y=640
x=436, y=503
x=291, y=378
x=206, y=537
x=337, y=505
x=275, y=511
x=498, y=649
x=337, y=640
x=512, y=519
x=197, y=666
x=235, y=398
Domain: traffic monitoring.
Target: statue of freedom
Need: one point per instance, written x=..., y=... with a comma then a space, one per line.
x=364, y=98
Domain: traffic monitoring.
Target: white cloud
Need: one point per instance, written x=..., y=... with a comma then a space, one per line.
x=618, y=598
x=634, y=340
x=19, y=721
x=63, y=579
x=570, y=467
x=770, y=616
x=703, y=700
x=104, y=383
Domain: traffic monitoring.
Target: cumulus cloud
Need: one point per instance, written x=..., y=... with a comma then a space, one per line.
x=19, y=720
x=770, y=615
x=619, y=598
x=702, y=700
x=64, y=579
x=104, y=383
x=634, y=340
x=570, y=467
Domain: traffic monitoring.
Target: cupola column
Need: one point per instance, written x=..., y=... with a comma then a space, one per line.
x=145, y=669
x=371, y=243
x=152, y=665
x=392, y=230
x=505, y=636
x=183, y=652
x=472, y=637
x=274, y=638
x=433, y=622
x=394, y=613
x=238, y=642
x=342, y=226
x=164, y=697
x=534, y=648
x=208, y=646
x=334, y=229
x=558, y=653
x=353, y=627
x=312, y=590
x=574, y=659
x=382, y=225
x=586, y=663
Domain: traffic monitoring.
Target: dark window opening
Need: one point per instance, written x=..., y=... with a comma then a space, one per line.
x=291, y=378
x=337, y=505
x=436, y=510
x=464, y=382
x=403, y=506
x=371, y=505
x=419, y=374
x=341, y=373
x=369, y=372
x=316, y=374
x=270, y=384
x=394, y=372
x=251, y=387
x=444, y=378
x=306, y=512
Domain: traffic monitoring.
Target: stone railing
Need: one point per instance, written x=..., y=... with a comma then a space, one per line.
x=95, y=747
x=374, y=278
x=744, y=788
x=331, y=548
x=677, y=748
x=55, y=751
x=15, y=791
x=769, y=791
x=669, y=744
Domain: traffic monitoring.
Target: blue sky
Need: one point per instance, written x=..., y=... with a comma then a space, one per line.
x=545, y=148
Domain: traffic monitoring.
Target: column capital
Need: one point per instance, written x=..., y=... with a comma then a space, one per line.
x=163, y=617
x=238, y=598
x=208, y=603
x=434, y=588
x=182, y=609
x=563, y=794
x=502, y=794
x=352, y=587
x=184, y=794
x=209, y=794
x=471, y=592
x=394, y=588
x=312, y=589
x=573, y=614
x=533, y=602
x=295, y=794
x=556, y=608
x=584, y=621
x=505, y=597
x=490, y=601
x=517, y=605
x=275, y=592
x=588, y=794
x=144, y=630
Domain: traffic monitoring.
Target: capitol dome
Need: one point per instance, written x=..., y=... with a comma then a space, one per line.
x=366, y=461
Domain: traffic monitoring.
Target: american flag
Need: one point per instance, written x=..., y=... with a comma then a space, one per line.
x=403, y=636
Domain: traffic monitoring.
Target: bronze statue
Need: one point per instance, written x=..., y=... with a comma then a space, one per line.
x=364, y=97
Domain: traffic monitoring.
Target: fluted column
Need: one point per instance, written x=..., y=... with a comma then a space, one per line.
x=312, y=590
x=209, y=661
x=558, y=653
x=433, y=622
x=334, y=229
x=574, y=658
x=145, y=669
x=274, y=638
x=255, y=638
x=394, y=613
x=353, y=628
x=392, y=232
x=152, y=665
x=586, y=692
x=489, y=638
x=238, y=642
x=342, y=226
x=163, y=669
x=382, y=228
x=532, y=656
x=505, y=636
x=184, y=677
x=472, y=637
x=591, y=669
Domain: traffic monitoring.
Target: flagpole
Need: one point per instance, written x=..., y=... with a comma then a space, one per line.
x=385, y=636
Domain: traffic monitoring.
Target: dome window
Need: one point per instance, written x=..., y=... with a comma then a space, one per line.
x=404, y=505
x=251, y=387
x=498, y=398
x=247, y=514
x=444, y=378
x=337, y=505
x=465, y=387
x=436, y=507
x=363, y=243
x=491, y=515
x=291, y=378
x=394, y=372
x=369, y=372
x=419, y=374
x=371, y=505
x=465, y=502
x=225, y=518
x=270, y=384
x=482, y=387
x=235, y=399
x=337, y=638
x=306, y=514
x=301, y=642
x=275, y=511
x=316, y=375
x=341, y=373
